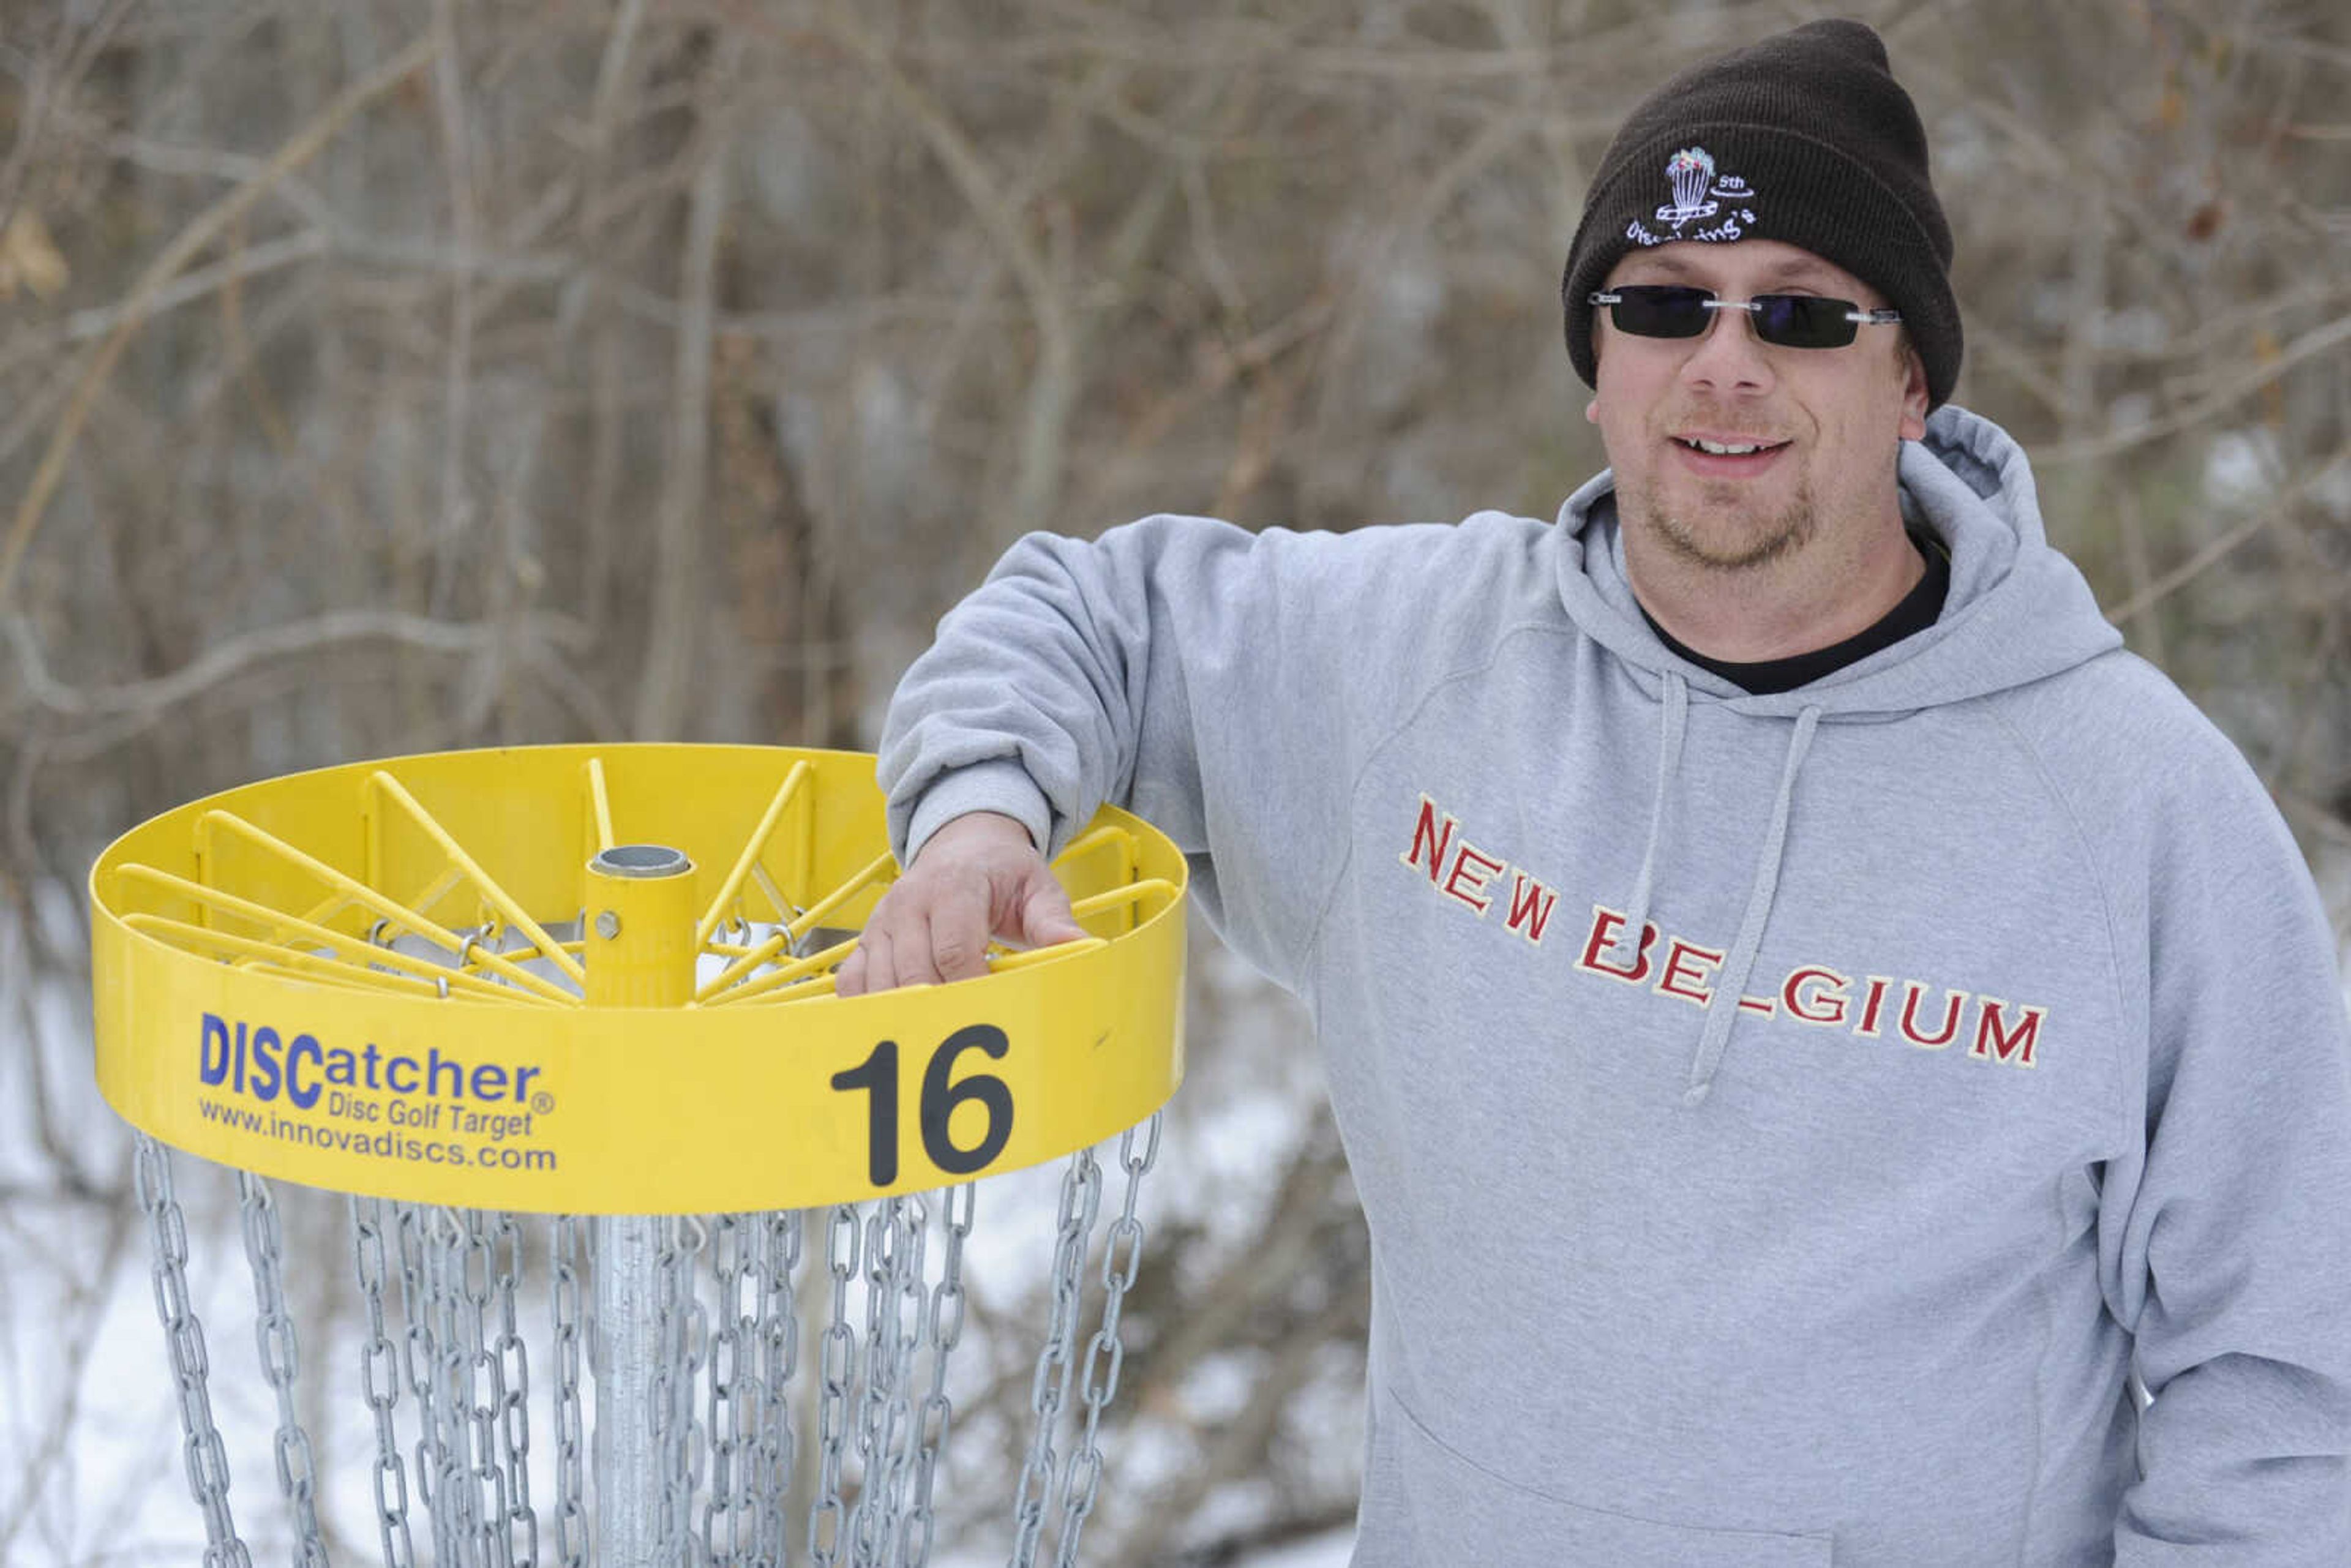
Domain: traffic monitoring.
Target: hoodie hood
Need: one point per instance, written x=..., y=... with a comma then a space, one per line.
x=2017, y=609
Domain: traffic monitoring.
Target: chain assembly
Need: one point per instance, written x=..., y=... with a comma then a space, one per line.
x=421, y=1357
x=1080, y=1201
x=510, y=1379
x=838, y=1370
x=380, y=1381
x=571, y=1428
x=779, y=1349
x=730, y=1520
x=453, y=1490
x=1121, y=1262
x=943, y=1330
x=273, y=1337
x=183, y=1334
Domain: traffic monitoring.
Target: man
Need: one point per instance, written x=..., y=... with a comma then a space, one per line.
x=1811, y=1018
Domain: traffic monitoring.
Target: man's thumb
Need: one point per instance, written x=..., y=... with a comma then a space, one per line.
x=1045, y=915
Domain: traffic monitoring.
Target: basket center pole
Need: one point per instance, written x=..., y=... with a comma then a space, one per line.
x=641, y=954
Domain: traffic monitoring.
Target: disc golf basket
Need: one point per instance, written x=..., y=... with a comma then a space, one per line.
x=587, y=992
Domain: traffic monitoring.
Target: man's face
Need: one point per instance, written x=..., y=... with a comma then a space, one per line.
x=1833, y=416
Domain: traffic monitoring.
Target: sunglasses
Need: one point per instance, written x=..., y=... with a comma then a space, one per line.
x=1790, y=321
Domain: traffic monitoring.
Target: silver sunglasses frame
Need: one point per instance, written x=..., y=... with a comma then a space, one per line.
x=1755, y=305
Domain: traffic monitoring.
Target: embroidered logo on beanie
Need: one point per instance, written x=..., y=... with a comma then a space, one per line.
x=1698, y=194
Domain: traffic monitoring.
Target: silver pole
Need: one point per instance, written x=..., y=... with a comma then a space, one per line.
x=624, y=1354
x=641, y=953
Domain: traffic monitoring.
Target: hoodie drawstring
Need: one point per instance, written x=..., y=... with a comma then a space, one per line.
x=1669, y=761
x=1740, y=962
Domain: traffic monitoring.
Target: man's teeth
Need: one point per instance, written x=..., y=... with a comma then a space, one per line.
x=1732, y=449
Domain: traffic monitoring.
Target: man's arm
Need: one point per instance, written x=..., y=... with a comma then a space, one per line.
x=2231, y=1252
x=1179, y=666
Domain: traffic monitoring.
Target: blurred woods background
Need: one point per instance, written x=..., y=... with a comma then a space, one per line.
x=389, y=375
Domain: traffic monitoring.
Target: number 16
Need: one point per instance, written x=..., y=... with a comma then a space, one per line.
x=878, y=1074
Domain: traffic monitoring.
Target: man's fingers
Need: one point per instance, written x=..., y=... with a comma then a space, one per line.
x=910, y=953
x=958, y=933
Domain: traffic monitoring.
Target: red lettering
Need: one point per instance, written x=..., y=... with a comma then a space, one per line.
x=1424, y=831
x=1606, y=924
x=1826, y=1003
x=1531, y=903
x=2014, y=1047
x=1872, y=1005
x=1679, y=968
x=1911, y=993
x=1462, y=860
x=1757, y=1004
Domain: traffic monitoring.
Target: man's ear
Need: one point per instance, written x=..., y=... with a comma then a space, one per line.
x=1914, y=395
x=1592, y=412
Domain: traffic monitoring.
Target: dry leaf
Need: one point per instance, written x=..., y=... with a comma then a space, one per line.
x=28, y=256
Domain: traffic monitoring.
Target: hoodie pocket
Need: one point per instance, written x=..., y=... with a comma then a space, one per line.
x=1464, y=1515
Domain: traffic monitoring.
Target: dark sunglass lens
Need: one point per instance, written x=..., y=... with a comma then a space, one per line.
x=1804, y=321
x=1650, y=310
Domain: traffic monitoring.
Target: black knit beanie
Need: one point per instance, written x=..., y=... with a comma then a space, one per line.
x=1804, y=138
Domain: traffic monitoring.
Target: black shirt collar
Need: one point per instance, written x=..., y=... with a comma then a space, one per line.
x=1918, y=609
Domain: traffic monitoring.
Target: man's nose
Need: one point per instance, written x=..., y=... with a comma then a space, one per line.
x=1730, y=356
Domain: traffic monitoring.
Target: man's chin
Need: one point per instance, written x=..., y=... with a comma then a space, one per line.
x=1723, y=537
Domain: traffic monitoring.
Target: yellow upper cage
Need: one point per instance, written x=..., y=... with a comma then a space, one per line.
x=406, y=980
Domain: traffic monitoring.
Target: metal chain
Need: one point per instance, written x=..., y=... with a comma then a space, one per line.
x=485, y=1396
x=680, y=1328
x=513, y=1380
x=893, y=1282
x=570, y=1429
x=737, y=1393
x=453, y=1515
x=909, y=1295
x=380, y=1378
x=886, y=1248
x=1122, y=1260
x=943, y=1329
x=1080, y=1200
x=183, y=1335
x=422, y=1354
x=779, y=1352
x=281, y=1362
x=839, y=1370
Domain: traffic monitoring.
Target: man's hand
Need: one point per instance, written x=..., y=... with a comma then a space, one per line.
x=977, y=877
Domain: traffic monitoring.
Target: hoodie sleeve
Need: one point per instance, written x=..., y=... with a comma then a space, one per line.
x=1216, y=681
x=2230, y=1254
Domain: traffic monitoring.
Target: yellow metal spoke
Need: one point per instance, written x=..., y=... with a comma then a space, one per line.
x=881, y=865
x=998, y=962
x=1132, y=892
x=775, y=900
x=752, y=849
x=600, y=803
x=353, y=949
x=400, y=915
x=500, y=899
x=1093, y=839
x=269, y=955
x=796, y=972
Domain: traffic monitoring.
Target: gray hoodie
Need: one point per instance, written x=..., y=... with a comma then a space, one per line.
x=1785, y=1123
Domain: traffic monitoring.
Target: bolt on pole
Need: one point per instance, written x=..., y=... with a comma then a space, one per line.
x=641, y=953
